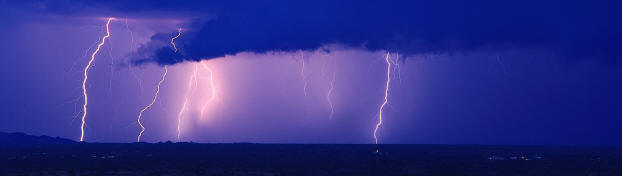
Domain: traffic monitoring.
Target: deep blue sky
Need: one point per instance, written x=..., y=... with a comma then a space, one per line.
x=485, y=72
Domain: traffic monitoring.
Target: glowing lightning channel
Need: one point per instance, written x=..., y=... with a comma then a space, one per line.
x=193, y=77
x=173, y=39
x=386, y=96
x=184, y=107
x=131, y=68
x=211, y=84
x=155, y=97
x=302, y=73
x=86, y=77
x=330, y=92
x=397, y=68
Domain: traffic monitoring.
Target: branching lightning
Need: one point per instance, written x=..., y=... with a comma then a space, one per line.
x=386, y=96
x=212, y=87
x=155, y=97
x=397, y=67
x=184, y=107
x=131, y=67
x=127, y=26
x=86, y=77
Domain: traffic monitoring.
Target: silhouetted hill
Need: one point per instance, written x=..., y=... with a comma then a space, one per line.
x=16, y=139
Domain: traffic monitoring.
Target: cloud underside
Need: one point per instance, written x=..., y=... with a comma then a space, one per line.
x=574, y=29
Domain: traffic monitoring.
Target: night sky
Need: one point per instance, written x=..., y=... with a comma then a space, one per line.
x=462, y=72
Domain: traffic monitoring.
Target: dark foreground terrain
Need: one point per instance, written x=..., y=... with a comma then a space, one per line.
x=276, y=159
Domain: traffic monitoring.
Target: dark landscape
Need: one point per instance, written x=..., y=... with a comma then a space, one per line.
x=52, y=156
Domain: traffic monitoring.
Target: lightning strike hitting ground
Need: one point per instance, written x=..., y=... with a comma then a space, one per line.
x=86, y=77
x=302, y=73
x=212, y=87
x=155, y=97
x=184, y=107
x=386, y=100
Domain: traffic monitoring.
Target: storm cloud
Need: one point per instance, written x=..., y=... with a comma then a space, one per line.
x=574, y=29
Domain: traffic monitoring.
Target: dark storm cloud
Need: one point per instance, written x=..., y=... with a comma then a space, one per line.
x=575, y=29
x=155, y=51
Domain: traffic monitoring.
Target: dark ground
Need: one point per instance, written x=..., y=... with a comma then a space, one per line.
x=22, y=154
x=290, y=159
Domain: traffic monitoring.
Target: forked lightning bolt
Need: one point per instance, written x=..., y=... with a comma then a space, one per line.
x=397, y=68
x=155, y=97
x=211, y=85
x=86, y=77
x=184, y=107
x=131, y=67
x=386, y=96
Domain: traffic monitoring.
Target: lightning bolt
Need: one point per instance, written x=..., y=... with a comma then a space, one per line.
x=173, y=39
x=302, y=73
x=386, y=100
x=111, y=69
x=330, y=92
x=86, y=77
x=184, y=107
x=127, y=26
x=131, y=68
x=211, y=84
x=397, y=67
x=155, y=97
